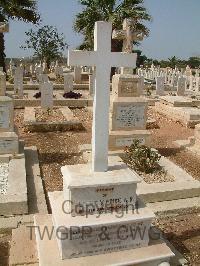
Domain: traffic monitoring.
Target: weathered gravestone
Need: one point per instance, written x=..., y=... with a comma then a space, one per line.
x=68, y=82
x=181, y=86
x=47, y=95
x=77, y=74
x=8, y=138
x=18, y=82
x=128, y=110
x=2, y=83
x=92, y=77
x=160, y=86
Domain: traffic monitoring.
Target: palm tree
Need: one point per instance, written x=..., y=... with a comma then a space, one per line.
x=173, y=61
x=25, y=10
x=114, y=11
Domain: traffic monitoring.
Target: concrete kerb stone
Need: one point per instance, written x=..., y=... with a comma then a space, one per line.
x=15, y=200
x=36, y=196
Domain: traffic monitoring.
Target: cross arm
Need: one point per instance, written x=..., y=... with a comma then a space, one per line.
x=81, y=58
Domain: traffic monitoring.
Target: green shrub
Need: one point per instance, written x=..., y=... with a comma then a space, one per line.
x=141, y=158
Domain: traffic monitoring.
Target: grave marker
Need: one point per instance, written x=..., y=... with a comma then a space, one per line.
x=47, y=95
x=128, y=35
x=101, y=56
x=160, y=86
x=2, y=84
x=68, y=82
x=181, y=86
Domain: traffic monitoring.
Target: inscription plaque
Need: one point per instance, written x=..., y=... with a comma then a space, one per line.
x=130, y=116
x=129, y=88
x=104, y=239
x=104, y=199
x=128, y=141
x=4, y=117
x=8, y=146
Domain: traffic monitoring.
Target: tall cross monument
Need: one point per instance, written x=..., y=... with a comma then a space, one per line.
x=103, y=59
x=128, y=35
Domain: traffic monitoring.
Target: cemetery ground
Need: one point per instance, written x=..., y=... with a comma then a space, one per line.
x=58, y=149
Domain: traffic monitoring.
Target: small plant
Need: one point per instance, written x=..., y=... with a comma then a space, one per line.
x=142, y=158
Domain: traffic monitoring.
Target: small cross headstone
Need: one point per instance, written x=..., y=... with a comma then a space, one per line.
x=103, y=59
x=47, y=95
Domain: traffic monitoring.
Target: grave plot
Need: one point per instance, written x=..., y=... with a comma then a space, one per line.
x=180, y=108
x=13, y=189
x=48, y=117
x=37, y=119
x=106, y=180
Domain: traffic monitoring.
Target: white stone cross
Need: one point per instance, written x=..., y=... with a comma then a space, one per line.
x=103, y=59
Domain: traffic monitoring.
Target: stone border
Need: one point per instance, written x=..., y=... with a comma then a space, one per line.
x=184, y=185
x=70, y=123
x=36, y=197
x=15, y=201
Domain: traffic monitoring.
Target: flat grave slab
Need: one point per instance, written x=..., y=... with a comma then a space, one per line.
x=177, y=101
x=66, y=122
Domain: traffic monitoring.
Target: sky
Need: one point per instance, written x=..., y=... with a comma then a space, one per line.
x=174, y=29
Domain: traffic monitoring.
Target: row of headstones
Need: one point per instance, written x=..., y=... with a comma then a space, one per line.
x=171, y=78
x=180, y=88
x=41, y=68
